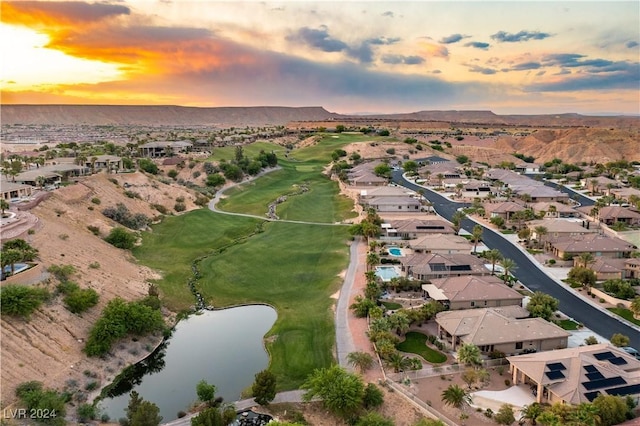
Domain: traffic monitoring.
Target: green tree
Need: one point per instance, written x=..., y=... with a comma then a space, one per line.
x=508, y=265
x=206, y=392
x=80, y=300
x=360, y=360
x=619, y=340
x=264, y=387
x=215, y=416
x=505, y=415
x=493, y=256
x=148, y=166
x=542, y=305
x=476, y=236
x=611, y=409
x=146, y=414
x=581, y=275
x=373, y=397
x=19, y=300
x=531, y=412
x=456, y=220
x=469, y=354
x=382, y=170
x=635, y=307
x=455, y=396
x=36, y=398
x=9, y=258
x=215, y=180
x=585, y=259
x=410, y=166
x=4, y=205
x=121, y=238
x=361, y=306
x=541, y=233
x=341, y=392
x=372, y=260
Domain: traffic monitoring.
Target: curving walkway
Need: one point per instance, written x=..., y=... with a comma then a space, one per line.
x=214, y=201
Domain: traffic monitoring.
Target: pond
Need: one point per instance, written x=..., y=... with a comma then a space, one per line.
x=223, y=347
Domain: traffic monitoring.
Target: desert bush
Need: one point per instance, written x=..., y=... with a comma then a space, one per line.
x=121, y=214
x=173, y=173
x=94, y=229
x=80, y=300
x=96, y=200
x=62, y=272
x=148, y=166
x=94, y=265
x=18, y=300
x=121, y=238
x=196, y=174
x=131, y=194
x=160, y=208
x=179, y=207
x=37, y=399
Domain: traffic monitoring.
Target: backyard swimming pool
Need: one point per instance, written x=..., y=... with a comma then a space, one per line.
x=386, y=273
x=396, y=251
x=18, y=267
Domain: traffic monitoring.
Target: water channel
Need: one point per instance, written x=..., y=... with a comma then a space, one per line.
x=223, y=347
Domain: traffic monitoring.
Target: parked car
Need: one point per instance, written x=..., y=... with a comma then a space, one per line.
x=631, y=351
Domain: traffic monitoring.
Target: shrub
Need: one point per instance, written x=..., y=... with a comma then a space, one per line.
x=18, y=300
x=96, y=200
x=160, y=208
x=173, y=173
x=94, y=265
x=196, y=174
x=86, y=412
x=62, y=272
x=179, y=207
x=121, y=238
x=148, y=166
x=131, y=194
x=80, y=300
x=94, y=229
x=391, y=151
x=91, y=386
x=38, y=399
x=507, y=382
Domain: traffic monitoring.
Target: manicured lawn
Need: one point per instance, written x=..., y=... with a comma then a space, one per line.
x=392, y=305
x=567, y=324
x=416, y=343
x=626, y=314
x=251, y=151
x=321, y=151
x=322, y=203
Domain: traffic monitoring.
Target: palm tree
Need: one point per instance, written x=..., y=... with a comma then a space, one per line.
x=400, y=322
x=493, y=256
x=476, y=236
x=441, y=179
x=10, y=257
x=508, y=265
x=372, y=260
x=456, y=220
x=469, y=354
x=531, y=412
x=585, y=415
x=4, y=205
x=360, y=360
x=455, y=396
x=398, y=361
x=585, y=259
x=594, y=184
x=540, y=231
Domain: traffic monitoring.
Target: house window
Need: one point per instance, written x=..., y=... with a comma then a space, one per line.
x=473, y=304
x=518, y=345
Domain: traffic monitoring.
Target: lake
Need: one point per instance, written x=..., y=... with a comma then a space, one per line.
x=223, y=347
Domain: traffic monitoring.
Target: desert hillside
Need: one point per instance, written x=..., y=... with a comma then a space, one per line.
x=121, y=115
x=597, y=145
x=48, y=347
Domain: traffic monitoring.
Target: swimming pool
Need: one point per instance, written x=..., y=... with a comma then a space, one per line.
x=18, y=267
x=395, y=251
x=386, y=273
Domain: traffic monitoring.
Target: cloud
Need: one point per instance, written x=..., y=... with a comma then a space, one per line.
x=383, y=40
x=526, y=66
x=625, y=78
x=453, y=38
x=478, y=45
x=631, y=44
x=572, y=60
x=388, y=13
x=56, y=14
x=563, y=72
x=482, y=70
x=319, y=39
x=504, y=37
x=401, y=59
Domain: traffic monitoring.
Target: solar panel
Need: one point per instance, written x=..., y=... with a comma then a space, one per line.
x=590, y=368
x=438, y=267
x=596, y=375
x=617, y=360
x=554, y=375
x=625, y=390
x=603, y=355
x=460, y=267
x=592, y=395
x=556, y=366
x=604, y=383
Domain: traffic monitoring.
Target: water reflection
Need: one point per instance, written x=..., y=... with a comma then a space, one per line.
x=222, y=347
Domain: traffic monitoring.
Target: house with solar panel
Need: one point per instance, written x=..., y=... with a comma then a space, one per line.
x=577, y=375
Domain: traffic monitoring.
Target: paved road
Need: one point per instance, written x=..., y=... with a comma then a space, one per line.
x=344, y=338
x=530, y=274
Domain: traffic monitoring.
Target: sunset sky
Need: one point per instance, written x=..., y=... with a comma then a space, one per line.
x=515, y=57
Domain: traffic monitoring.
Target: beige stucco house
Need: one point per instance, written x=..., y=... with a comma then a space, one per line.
x=468, y=292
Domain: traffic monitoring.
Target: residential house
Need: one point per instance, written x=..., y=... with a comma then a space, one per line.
x=468, y=292
x=632, y=268
x=491, y=329
x=51, y=175
x=558, y=228
x=577, y=375
x=104, y=162
x=538, y=192
x=600, y=184
x=385, y=191
x=164, y=149
x=625, y=193
x=554, y=210
x=596, y=244
x=525, y=168
x=612, y=214
x=414, y=228
x=393, y=204
x=441, y=244
x=12, y=191
x=607, y=268
x=427, y=266
x=505, y=209
x=363, y=175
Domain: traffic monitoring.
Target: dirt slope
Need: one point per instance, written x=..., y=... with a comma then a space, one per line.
x=48, y=347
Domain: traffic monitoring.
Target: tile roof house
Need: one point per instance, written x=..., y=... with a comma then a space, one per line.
x=385, y=191
x=554, y=210
x=363, y=175
x=557, y=228
x=164, y=149
x=632, y=268
x=426, y=266
x=504, y=210
x=441, y=244
x=607, y=268
x=612, y=214
x=15, y=191
x=467, y=292
x=577, y=375
x=393, y=204
x=596, y=244
x=414, y=228
x=491, y=330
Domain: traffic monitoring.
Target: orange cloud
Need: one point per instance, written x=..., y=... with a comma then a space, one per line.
x=57, y=14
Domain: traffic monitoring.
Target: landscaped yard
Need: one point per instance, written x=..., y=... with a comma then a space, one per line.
x=392, y=305
x=416, y=343
x=626, y=314
x=567, y=324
